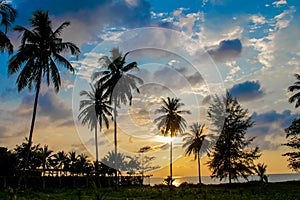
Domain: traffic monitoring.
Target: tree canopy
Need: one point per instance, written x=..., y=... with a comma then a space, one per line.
x=293, y=137
x=231, y=157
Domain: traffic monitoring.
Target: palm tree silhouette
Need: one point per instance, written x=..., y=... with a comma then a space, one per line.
x=8, y=15
x=261, y=169
x=118, y=83
x=292, y=88
x=83, y=166
x=171, y=122
x=45, y=155
x=109, y=160
x=95, y=109
x=195, y=143
x=38, y=56
x=59, y=161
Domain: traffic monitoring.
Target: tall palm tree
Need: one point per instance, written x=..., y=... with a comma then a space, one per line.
x=171, y=122
x=39, y=56
x=194, y=143
x=295, y=87
x=95, y=109
x=118, y=84
x=8, y=15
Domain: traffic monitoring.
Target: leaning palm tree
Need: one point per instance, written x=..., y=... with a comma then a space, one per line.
x=261, y=169
x=118, y=83
x=39, y=56
x=171, y=122
x=95, y=109
x=8, y=15
x=195, y=143
x=295, y=87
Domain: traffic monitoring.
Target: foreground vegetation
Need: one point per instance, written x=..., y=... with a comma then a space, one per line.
x=251, y=190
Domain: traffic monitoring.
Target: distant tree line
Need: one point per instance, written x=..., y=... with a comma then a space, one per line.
x=43, y=162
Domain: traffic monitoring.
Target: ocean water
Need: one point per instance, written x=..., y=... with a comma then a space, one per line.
x=208, y=180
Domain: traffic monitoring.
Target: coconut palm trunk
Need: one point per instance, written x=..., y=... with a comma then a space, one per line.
x=116, y=144
x=38, y=86
x=171, y=161
x=96, y=146
x=199, y=167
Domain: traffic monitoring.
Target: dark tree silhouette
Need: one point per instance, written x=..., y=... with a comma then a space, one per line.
x=7, y=162
x=230, y=157
x=118, y=83
x=295, y=87
x=39, y=56
x=45, y=156
x=196, y=143
x=145, y=161
x=293, y=137
x=261, y=169
x=8, y=15
x=59, y=161
x=95, y=109
x=21, y=152
x=171, y=122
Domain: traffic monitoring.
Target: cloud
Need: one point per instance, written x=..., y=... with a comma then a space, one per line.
x=88, y=17
x=283, y=119
x=8, y=93
x=3, y=131
x=269, y=128
x=226, y=50
x=195, y=79
x=258, y=19
x=279, y=3
x=50, y=106
x=247, y=91
x=68, y=123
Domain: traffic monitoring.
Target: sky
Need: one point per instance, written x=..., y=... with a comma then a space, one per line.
x=187, y=49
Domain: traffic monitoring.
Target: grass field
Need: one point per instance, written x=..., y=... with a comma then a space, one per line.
x=272, y=191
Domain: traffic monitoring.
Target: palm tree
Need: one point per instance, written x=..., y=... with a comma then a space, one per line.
x=292, y=88
x=171, y=122
x=83, y=165
x=45, y=155
x=60, y=161
x=94, y=109
x=194, y=143
x=72, y=160
x=118, y=83
x=261, y=169
x=39, y=55
x=8, y=15
x=21, y=153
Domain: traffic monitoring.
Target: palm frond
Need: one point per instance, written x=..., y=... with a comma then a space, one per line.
x=59, y=30
x=5, y=44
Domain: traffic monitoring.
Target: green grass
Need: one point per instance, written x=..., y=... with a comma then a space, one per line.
x=272, y=191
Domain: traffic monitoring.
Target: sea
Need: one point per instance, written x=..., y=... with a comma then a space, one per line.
x=208, y=180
